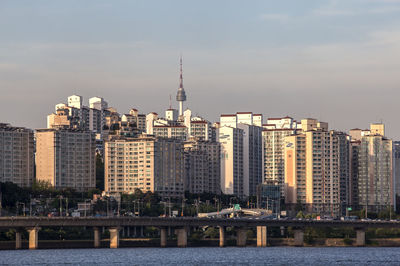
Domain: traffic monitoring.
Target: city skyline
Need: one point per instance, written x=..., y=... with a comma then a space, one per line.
x=335, y=61
x=175, y=106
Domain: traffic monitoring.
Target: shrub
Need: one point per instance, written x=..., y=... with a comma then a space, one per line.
x=347, y=241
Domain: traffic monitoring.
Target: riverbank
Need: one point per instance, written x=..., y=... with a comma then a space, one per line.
x=151, y=242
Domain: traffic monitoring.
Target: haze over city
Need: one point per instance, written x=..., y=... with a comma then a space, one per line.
x=337, y=61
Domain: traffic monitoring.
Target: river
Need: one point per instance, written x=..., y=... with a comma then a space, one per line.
x=205, y=256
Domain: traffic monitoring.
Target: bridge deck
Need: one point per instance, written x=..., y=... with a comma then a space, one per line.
x=15, y=222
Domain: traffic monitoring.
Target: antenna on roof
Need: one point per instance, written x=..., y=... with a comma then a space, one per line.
x=170, y=101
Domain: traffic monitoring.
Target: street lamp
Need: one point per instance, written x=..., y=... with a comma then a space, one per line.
x=61, y=197
x=183, y=205
x=86, y=200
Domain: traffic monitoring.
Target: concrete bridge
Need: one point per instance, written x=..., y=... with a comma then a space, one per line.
x=181, y=226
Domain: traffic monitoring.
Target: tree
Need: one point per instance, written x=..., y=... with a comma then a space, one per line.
x=99, y=172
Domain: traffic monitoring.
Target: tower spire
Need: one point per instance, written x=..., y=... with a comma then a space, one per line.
x=181, y=95
x=181, y=74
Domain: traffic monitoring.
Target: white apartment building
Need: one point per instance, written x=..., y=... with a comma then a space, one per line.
x=274, y=133
x=86, y=118
x=231, y=140
x=251, y=170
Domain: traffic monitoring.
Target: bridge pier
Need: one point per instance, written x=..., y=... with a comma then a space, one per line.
x=18, y=242
x=114, y=237
x=163, y=237
x=182, y=237
x=222, y=236
x=96, y=233
x=360, y=237
x=261, y=236
x=241, y=237
x=298, y=237
x=33, y=237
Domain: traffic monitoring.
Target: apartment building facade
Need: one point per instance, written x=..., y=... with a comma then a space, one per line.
x=16, y=155
x=146, y=163
x=66, y=158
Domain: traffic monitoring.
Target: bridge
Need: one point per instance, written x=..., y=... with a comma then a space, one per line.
x=230, y=211
x=182, y=226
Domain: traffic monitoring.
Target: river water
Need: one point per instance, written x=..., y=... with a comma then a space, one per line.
x=205, y=256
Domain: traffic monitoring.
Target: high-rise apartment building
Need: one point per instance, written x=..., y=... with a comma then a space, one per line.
x=66, y=158
x=317, y=168
x=146, y=163
x=396, y=169
x=376, y=186
x=249, y=170
x=274, y=133
x=202, y=129
x=231, y=140
x=75, y=115
x=170, y=131
x=139, y=118
x=16, y=155
x=252, y=158
x=202, y=166
x=373, y=183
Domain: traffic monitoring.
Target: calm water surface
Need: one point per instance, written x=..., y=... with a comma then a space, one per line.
x=204, y=256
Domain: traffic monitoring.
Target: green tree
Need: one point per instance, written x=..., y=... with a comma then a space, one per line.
x=99, y=172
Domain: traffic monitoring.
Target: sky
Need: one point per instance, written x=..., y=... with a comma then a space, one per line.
x=334, y=60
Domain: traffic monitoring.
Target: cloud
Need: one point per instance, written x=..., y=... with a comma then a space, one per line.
x=275, y=17
x=356, y=8
x=327, y=11
x=385, y=1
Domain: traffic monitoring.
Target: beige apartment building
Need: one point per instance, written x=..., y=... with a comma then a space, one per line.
x=66, y=158
x=171, y=131
x=146, y=163
x=317, y=168
x=16, y=155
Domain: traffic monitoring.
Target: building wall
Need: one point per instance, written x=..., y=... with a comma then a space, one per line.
x=353, y=184
x=375, y=176
x=228, y=120
x=16, y=155
x=252, y=158
x=317, y=170
x=144, y=163
x=202, y=166
x=274, y=157
x=175, y=132
x=396, y=168
x=290, y=153
x=231, y=140
x=66, y=158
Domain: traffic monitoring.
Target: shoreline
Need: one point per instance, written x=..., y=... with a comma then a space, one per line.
x=155, y=243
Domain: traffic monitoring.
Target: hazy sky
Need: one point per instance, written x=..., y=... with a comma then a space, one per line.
x=338, y=61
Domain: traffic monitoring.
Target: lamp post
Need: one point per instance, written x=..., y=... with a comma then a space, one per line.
x=169, y=205
x=61, y=197
x=183, y=205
